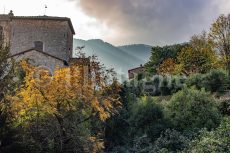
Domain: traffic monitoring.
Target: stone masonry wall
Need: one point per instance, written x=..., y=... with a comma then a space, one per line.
x=40, y=59
x=55, y=35
x=5, y=24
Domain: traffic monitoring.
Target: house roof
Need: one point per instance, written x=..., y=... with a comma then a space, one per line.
x=11, y=17
x=33, y=49
x=141, y=67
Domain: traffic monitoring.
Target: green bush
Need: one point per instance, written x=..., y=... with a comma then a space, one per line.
x=170, y=141
x=225, y=107
x=147, y=118
x=117, y=131
x=217, y=141
x=191, y=108
x=177, y=83
x=165, y=87
x=156, y=82
x=214, y=81
x=195, y=80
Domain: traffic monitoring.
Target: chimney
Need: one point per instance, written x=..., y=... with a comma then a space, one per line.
x=11, y=13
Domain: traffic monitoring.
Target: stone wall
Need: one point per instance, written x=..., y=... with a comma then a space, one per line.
x=5, y=24
x=55, y=35
x=39, y=59
x=134, y=72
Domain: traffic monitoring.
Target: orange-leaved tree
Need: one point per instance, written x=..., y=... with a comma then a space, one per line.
x=167, y=67
x=67, y=99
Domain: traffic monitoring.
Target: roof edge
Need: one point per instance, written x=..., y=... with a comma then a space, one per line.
x=5, y=16
x=33, y=49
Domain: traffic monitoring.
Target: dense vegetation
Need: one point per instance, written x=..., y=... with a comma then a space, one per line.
x=179, y=105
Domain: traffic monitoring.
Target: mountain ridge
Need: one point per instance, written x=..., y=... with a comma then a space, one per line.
x=121, y=58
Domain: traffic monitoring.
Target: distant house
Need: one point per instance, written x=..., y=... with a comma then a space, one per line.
x=135, y=71
x=46, y=40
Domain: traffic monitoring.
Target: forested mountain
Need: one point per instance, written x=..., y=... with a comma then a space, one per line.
x=120, y=58
x=138, y=50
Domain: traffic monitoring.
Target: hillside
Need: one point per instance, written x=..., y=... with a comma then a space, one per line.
x=120, y=58
x=138, y=50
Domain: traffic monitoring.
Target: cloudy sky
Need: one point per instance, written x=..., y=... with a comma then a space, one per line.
x=154, y=22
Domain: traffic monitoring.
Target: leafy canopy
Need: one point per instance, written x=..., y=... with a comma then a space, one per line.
x=191, y=108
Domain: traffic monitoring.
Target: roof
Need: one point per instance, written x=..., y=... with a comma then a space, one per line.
x=4, y=16
x=33, y=49
x=141, y=67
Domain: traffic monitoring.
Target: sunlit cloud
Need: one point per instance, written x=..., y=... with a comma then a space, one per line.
x=156, y=22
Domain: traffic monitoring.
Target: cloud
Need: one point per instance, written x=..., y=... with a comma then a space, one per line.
x=156, y=22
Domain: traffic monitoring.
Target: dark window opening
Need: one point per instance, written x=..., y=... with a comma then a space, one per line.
x=66, y=63
x=38, y=45
x=1, y=32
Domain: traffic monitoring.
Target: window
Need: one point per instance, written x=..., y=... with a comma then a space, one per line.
x=38, y=45
x=1, y=32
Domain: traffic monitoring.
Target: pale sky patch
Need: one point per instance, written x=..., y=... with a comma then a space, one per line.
x=86, y=27
x=154, y=22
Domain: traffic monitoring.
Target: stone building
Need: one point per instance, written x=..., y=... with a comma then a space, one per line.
x=135, y=71
x=39, y=58
x=46, y=40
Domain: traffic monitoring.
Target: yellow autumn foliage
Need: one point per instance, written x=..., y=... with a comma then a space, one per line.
x=46, y=94
x=168, y=66
x=199, y=56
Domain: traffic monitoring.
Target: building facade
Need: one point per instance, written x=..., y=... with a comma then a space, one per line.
x=47, y=36
x=136, y=71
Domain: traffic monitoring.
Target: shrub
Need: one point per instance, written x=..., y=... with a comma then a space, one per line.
x=191, y=108
x=147, y=118
x=177, y=83
x=217, y=141
x=165, y=87
x=171, y=141
x=214, y=81
x=195, y=80
x=225, y=107
x=156, y=83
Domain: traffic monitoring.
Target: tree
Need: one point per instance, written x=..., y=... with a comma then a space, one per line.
x=199, y=56
x=147, y=118
x=159, y=54
x=220, y=35
x=167, y=67
x=54, y=109
x=191, y=108
x=6, y=69
x=118, y=127
x=8, y=138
